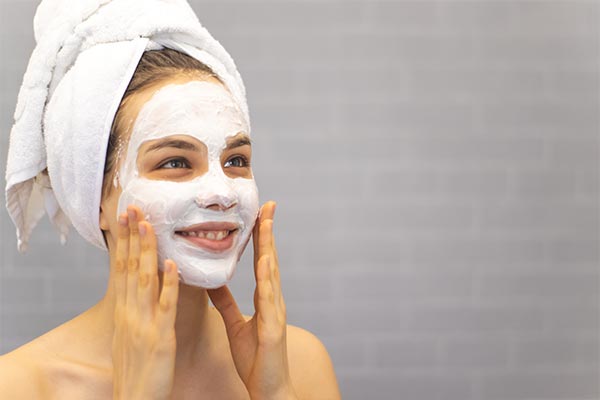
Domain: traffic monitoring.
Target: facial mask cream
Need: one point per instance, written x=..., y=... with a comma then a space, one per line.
x=203, y=224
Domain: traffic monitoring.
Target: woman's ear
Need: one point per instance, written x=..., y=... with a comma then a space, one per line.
x=107, y=209
x=104, y=225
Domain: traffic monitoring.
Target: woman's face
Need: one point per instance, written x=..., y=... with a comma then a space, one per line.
x=187, y=166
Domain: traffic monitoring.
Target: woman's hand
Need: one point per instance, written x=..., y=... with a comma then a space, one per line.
x=258, y=346
x=143, y=349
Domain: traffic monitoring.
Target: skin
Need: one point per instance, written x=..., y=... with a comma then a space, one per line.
x=151, y=337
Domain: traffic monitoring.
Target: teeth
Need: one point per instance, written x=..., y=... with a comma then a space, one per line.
x=210, y=235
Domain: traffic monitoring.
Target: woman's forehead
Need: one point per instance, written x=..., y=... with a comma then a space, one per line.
x=140, y=98
x=136, y=101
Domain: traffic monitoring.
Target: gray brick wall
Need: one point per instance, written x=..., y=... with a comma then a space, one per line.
x=436, y=168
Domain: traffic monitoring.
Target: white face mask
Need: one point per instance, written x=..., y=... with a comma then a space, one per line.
x=207, y=254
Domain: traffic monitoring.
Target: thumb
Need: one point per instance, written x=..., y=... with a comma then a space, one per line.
x=225, y=303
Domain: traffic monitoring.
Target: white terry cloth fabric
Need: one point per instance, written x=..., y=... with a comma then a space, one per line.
x=86, y=53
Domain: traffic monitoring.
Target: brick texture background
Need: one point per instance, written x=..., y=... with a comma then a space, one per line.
x=436, y=168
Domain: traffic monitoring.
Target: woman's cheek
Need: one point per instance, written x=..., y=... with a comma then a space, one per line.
x=249, y=200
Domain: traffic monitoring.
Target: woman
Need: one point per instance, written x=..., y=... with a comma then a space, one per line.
x=176, y=208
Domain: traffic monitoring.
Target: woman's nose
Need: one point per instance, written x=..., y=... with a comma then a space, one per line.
x=218, y=197
x=217, y=206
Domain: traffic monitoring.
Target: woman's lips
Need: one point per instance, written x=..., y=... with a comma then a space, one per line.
x=212, y=236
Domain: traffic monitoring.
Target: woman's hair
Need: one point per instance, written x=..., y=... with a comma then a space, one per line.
x=154, y=67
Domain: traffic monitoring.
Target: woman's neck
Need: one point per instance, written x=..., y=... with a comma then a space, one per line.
x=195, y=326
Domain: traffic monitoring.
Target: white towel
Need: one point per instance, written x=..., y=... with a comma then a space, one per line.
x=86, y=53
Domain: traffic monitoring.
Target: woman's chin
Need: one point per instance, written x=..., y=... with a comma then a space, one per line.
x=206, y=273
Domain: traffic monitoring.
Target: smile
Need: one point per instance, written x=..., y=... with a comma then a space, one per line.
x=212, y=236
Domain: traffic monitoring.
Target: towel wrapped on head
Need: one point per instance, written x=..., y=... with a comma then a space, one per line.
x=86, y=53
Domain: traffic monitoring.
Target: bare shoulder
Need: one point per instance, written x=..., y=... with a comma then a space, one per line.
x=20, y=376
x=311, y=368
x=46, y=368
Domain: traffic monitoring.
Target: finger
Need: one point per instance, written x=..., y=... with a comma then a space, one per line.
x=265, y=239
x=167, y=303
x=266, y=212
x=133, y=262
x=261, y=237
x=120, y=279
x=275, y=275
x=265, y=306
x=275, y=260
x=225, y=303
x=147, y=291
x=273, y=237
x=261, y=244
x=273, y=264
x=275, y=285
x=255, y=235
x=268, y=216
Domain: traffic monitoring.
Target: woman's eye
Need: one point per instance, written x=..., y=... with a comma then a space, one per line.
x=236, y=162
x=174, y=164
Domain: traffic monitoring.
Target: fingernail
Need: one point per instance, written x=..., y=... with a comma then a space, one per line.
x=168, y=266
x=123, y=220
x=131, y=214
x=142, y=229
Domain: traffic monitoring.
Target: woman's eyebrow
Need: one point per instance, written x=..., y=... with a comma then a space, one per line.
x=238, y=141
x=178, y=144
